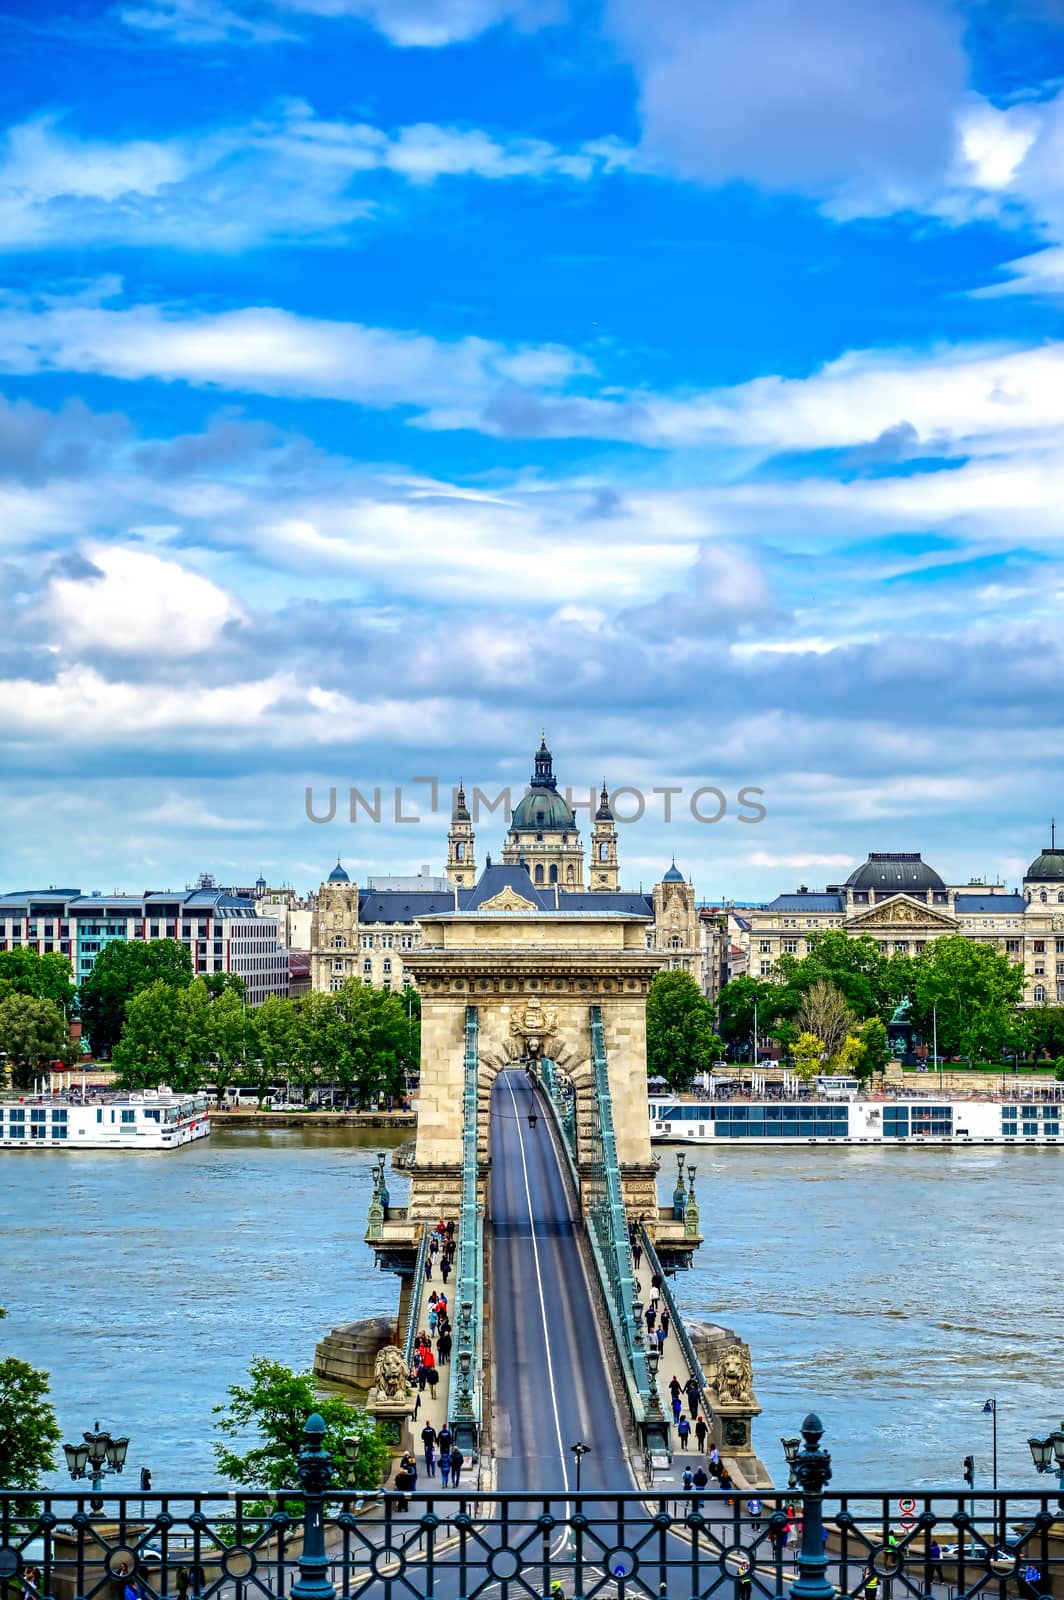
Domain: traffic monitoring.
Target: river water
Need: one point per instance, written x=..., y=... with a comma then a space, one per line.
x=892, y=1290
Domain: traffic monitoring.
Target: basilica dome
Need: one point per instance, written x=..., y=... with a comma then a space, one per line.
x=542, y=810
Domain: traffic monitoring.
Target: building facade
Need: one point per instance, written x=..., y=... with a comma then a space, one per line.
x=366, y=933
x=221, y=932
x=899, y=900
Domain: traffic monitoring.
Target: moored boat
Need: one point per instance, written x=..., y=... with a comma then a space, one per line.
x=156, y=1119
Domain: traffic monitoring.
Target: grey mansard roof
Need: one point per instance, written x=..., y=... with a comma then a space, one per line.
x=806, y=902
x=975, y=904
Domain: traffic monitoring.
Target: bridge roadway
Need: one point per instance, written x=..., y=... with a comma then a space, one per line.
x=551, y=1384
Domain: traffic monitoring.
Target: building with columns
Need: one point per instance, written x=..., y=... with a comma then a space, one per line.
x=899, y=899
x=366, y=932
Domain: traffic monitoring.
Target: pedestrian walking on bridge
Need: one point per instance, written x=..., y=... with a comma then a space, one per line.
x=428, y=1439
x=457, y=1463
x=675, y=1386
x=701, y=1431
x=694, y=1396
x=683, y=1428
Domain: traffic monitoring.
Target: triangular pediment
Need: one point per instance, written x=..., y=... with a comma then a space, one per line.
x=507, y=900
x=900, y=911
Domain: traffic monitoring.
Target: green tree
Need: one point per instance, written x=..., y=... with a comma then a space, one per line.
x=29, y=1431
x=1043, y=1030
x=120, y=971
x=973, y=991
x=735, y=1011
x=877, y=1056
x=33, y=1035
x=47, y=977
x=272, y=1041
x=274, y=1407
x=217, y=983
x=807, y=1055
x=680, y=1039
x=228, y=1034
x=152, y=1047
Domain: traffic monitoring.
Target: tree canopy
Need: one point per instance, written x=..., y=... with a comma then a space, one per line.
x=357, y=1038
x=29, y=1431
x=26, y=971
x=33, y=1035
x=273, y=1407
x=121, y=970
x=681, y=1041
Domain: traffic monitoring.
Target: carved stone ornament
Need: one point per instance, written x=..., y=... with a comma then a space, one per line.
x=901, y=910
x=534, y=1022
x=389, y=1374
x=508, y=900
x=734, y=1432
x=733, y=1376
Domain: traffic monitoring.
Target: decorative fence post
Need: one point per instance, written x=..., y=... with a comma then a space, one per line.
x=812, y=1468
x=315, y=1472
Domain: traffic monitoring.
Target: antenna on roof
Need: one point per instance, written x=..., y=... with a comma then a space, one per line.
x=1052, y=833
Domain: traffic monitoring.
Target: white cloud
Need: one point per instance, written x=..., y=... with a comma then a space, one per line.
x=429, y=23
x=134, y=603
x=765, y=858
x=288, y=175
x=188, y=811
x=263, y=350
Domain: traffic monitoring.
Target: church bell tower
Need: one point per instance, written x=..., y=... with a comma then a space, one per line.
x=461, y=866
x=604, y=868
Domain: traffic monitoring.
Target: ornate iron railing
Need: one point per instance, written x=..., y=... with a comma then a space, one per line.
x=612, y=1250
x=415, y=1295
x=513, y=1546
x=465, y=1385
x=676, y=1321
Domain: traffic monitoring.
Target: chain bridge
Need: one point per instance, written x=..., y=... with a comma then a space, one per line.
x=533, y=1135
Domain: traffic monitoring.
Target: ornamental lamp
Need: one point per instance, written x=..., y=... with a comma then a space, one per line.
x=77, y=1456
x=1041, y=1452
x=116, y=1453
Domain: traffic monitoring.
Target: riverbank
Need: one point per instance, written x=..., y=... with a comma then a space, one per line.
x=244, y=1117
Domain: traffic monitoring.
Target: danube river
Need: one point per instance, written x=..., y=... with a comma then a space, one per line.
x=894, y=1290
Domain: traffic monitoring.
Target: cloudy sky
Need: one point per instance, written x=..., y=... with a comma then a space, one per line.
x=382, y=380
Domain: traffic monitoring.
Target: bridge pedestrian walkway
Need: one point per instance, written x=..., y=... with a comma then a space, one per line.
x=431, y=1403
x=675, y=1363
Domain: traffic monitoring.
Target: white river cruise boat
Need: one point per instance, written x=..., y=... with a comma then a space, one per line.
x=154, y=1120
x=859, y=1121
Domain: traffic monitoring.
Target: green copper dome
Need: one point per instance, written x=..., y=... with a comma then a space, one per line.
x=542, y=810
x=1047, y=868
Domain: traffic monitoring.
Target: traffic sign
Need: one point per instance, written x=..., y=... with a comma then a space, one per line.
x=907, y=1504
x=907, y=1522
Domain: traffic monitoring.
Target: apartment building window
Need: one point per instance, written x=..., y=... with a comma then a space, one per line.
x=387, y=965
x=338, y=966
x=186, y=930
x=336, y=983
x=1039, y=969
x=367, y=941
x=387, y=983
x=338, y=942
x=406, y=941
x=1012, y=947
x=766, y=969
x=367, y=967
x=790, y=947
x=386, y=941
x=1060, y=947
x=901, y=948
x=1039, y=947
x=765, y=947
x=1039, y=993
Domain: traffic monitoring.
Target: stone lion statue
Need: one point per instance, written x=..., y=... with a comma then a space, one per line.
x=389, y=1374
x=734, y=1375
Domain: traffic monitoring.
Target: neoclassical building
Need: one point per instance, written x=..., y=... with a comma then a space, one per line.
x=365, y=933
x=903, y=903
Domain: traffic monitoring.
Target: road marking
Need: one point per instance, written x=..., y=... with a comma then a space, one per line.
x=539, y=1289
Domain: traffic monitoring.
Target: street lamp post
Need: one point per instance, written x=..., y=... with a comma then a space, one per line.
x=812, y=1469
x=990, y=1410
x=314, y=1469
x=1048, y=1455
x=679, y=1194
x=580, y=1450
x=95, y=1458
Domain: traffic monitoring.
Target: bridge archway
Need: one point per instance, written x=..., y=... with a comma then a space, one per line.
x=533, y=980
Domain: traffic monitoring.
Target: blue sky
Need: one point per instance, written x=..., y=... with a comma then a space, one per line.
x=381, y=380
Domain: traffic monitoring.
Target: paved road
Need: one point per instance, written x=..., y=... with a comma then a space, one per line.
x=551, y=1387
